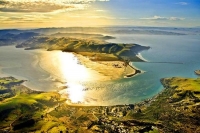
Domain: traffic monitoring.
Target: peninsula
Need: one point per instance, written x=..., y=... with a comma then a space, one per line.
x=105, y=51
x=110, y=59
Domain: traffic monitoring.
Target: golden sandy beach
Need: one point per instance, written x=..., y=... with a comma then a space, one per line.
x=111, y=69
x=60, y=64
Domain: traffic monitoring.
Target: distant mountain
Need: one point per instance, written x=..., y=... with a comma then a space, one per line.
x=82, y=36
x=112, y=30
x=9, y=38
x=149, y=32
x=109, y=30
x=12, y=31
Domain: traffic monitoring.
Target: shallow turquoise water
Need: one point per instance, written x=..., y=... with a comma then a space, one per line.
x=180, y=56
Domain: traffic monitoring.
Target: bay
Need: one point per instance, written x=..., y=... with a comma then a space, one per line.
x=169, y=56
x=23, y=64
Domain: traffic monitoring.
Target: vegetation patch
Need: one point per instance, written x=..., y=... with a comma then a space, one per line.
x=176, y=109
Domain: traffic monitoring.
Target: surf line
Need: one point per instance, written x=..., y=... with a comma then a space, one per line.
x=165, y=62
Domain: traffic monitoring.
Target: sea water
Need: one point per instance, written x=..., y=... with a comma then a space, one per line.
x=24, y=65
x=169, y=56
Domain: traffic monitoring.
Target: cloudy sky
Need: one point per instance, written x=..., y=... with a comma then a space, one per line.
x=64, y=13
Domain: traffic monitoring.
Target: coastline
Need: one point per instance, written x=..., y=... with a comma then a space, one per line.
x=46, y=82
x=174, y=109
x=112, y=70
x=62, y=65
x=50, y=108
x=133, y=71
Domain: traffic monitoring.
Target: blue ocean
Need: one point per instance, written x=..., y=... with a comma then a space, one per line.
x=169, y=56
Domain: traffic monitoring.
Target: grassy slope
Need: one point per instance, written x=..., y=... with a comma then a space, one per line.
x=24, y=104
x=85, y=45
x=177, y=108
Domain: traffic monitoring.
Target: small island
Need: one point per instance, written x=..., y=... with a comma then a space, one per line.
x=197, y=72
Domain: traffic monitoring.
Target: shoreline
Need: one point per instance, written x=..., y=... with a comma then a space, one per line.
x=133, y=73
x=125, y=116
x=111, y=69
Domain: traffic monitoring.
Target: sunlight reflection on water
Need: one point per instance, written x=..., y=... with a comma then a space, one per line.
x=75, y=92
x=71, y=69
x=74, y=73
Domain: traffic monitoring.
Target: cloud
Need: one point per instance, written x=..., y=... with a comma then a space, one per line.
x=100, y=10
x=24, y=18
x=3, y=2
x=32, y=7
x=155, y=18
x=3, y=18
x=44, y=5
x=100, y=17
x=124, y=18
x=182, y=3
x=163, y=18
x=176, y=18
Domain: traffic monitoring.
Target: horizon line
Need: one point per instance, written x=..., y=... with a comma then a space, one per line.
x=104, y=26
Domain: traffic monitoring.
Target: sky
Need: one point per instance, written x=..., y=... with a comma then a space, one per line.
x=89, y=13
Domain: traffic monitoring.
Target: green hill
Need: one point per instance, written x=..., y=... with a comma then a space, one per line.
x=128, y=51
x=176, y=109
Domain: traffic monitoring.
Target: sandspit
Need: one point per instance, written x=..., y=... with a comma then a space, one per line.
x=111, y=69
